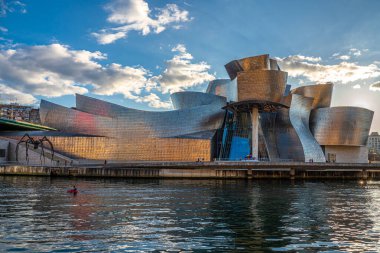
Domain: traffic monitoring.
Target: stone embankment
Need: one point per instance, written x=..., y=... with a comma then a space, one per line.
x=221, y=170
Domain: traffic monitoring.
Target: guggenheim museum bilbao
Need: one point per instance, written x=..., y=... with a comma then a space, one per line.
x=254, y=115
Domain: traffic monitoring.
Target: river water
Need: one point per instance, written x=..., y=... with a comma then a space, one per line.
x=37, y=215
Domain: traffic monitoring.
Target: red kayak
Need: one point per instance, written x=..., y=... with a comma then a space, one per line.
x=74, y=191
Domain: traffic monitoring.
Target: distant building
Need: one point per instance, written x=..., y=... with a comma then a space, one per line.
x=373, y=143
x=20, y=112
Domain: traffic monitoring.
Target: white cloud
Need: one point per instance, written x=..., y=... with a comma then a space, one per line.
x=56, y=70
x=11, y=6
x=343, y=72
x=355, y=52
x=3, y=29
x=154, y=101
x=357, y=86
x=344, y=57
x=375, y=86
x=181, y=73
x=302, y=58
x=135, y=15
x=10, y=95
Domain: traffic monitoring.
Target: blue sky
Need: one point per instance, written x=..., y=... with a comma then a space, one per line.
x=136, y=52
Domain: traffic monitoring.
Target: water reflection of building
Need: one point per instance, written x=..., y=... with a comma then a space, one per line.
x=253, y=115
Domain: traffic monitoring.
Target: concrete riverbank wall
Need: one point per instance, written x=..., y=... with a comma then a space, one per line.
x=224, y=170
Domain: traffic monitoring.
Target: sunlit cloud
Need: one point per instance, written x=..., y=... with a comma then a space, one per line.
x=10, y=95
x=135, y=15
x=154, y=101
x=181, y=73
x=375, y=86
x=344, y=72
x=55, y=70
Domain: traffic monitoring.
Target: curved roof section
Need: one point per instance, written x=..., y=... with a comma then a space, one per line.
x=322, y=94
x=97, y=117
x=266, y=85
x=223, y=87
x=190, y=99
x=250, y=64
x=341, y=125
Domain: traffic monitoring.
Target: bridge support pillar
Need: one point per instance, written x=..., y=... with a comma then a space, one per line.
x=249, y=174
x=364, y=174
x=292, y=173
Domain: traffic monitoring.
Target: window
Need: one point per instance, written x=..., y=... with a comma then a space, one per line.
x=2, y=153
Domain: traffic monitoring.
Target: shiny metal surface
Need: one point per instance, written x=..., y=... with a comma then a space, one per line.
x=252, y=63
x=288, y=142
x=299, y=117
x=280, y=137
x=266, y=85
x=232, y=68
x=322, y=94
x=256, y=62
x=190, y=99
x=223, y=87
x=134, y=134
x=155, y=124
x=268, y=125
x=189, y=132
x=341, y=125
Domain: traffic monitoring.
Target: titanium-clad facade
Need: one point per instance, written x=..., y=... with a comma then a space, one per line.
x=348, y=126
x=321, y=93
x=253, y=114
x=190, y=99
x=266, y=85
x=299, y=117
x=223, y=87
x=134, y=134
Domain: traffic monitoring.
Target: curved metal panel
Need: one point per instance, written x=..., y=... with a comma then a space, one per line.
x=223, y=87
x=255, y=62
x=322, y=94
x=268, y=127
x=267, y=85
x=232, y=68
x=128, y=122
x=299, y=117
x=103, y=108
x=190, y=99
x=136, y=136
x=250, y=64
x=341, y=125
x=274, y=65
x=287, y=140
x=280, y=137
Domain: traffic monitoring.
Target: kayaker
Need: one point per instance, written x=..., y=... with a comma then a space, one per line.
x=74, y=190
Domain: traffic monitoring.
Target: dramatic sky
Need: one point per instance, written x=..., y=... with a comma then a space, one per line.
x=136, y=52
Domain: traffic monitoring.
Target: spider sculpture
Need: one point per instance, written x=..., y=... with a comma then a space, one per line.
x=35, y=144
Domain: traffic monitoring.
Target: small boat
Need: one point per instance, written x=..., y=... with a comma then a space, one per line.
x=73, y=191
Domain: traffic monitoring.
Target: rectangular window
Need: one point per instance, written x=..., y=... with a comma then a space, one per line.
x=2, y=153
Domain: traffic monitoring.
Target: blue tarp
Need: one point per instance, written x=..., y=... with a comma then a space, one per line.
x=239, y=148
